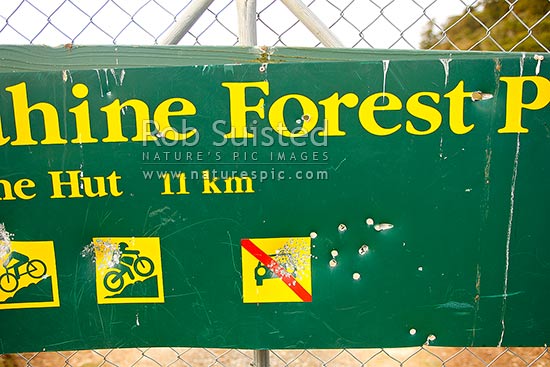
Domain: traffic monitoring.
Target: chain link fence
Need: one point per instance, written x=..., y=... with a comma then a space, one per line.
x=503, y=25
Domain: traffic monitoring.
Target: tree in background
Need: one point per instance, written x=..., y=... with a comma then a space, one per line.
x=490, y=23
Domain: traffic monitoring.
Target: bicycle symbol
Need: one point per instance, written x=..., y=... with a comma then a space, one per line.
x=9, y=281
x=132, y=262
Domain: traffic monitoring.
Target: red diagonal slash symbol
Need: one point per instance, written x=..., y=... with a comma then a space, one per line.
x=276, y=268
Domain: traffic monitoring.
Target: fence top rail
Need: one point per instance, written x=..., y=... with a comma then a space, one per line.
x=44, y=58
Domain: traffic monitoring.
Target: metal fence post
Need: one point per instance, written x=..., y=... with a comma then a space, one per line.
x=185, y=21
x=246, y=14
x=261, y=358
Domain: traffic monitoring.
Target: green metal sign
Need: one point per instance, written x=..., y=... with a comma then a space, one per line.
x=272, y=198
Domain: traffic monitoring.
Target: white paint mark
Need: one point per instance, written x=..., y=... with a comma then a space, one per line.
x=121, y=78
x=64, y=76
x=521, y=63
x=412, y=331
x=137, y=319
x=313, y=235
x=441, y=148
x=113, y=73
x=468, y=190
x=386, y=66
x=369, y=221
x=334, y=253
x=81, y=176
x=539, y=59
x=356, y=276
x=508, y=239
x=383, y=226
x=5, y=241
x=446, y=63
x=342, y=227
x=100, y=83
x=106, y=78
x=363, y=249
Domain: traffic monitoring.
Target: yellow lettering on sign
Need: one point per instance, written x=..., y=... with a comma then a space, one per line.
x=515, y=104
x=428, y=113
x=21, y=114
x=238, y=107
x=368, y=107
x=456, y=109
x=309, y=117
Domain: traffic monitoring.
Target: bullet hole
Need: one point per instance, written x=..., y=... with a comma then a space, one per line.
x=356, y=276
x=305, y=117
x=332, y=263
x=334, y=253
x=313, y=235
x=479, y=96
x=431, y=338
x=383, y=227
x=363, y=249
x=412, y=331
x=420, y=268
x=342, y=228
x=369, y=221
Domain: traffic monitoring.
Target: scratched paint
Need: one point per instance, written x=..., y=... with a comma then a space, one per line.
x=464, y=260
x=109, y=253
x=5, y=241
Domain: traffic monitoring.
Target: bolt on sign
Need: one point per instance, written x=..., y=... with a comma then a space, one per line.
x=279, y=198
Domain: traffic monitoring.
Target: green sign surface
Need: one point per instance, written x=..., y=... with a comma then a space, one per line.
x=272, y=198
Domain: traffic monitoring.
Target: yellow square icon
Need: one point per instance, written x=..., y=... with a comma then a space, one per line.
x=128, y=270
x=276, y=269
x=28, y=275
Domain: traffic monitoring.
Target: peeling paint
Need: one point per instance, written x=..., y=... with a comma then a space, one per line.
x=5, y=241
x=508, y=239
x=446, y=63
x=383, y=226
x=111, y=253
x=386, y=66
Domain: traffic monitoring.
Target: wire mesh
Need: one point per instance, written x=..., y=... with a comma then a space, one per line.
x=424, y=356
x=504, y=25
